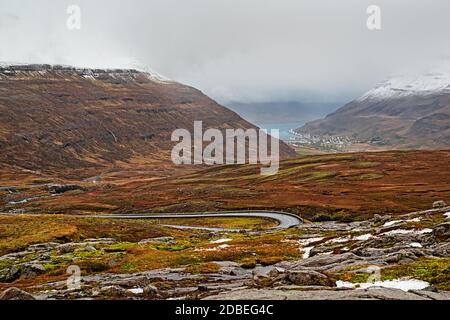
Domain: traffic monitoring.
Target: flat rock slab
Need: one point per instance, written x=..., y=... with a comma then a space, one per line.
x=358, y=294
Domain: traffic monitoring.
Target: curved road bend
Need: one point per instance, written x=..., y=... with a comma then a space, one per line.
x=285, y=220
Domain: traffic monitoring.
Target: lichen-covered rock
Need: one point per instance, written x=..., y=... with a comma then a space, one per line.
x=15, y=294
x=67, y=248
x=58, y=189
x=442, y=231
x=266, y=276
x=114, y=291
x=309, y=278
x=43, y=246
x=157, y=240
x=32, y=270
x=150, y=290
x=360, y=294
x=442, y=250
x=9, y=275
x=439, y=204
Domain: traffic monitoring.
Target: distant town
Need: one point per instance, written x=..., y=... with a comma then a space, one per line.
x=328, y=143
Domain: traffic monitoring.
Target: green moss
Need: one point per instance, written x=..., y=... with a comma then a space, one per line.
x=174, y=247
x=360, y=277
x=6, y=263
x=209, y=267
x=128, y=266
x=365, y=164
x=319, y=175
x=88, y=254
x=248, y=263
x=268, y=261
x=120, y=246
x=436, y=271
x=370, y=176
x=287, y=172
x=51, y=268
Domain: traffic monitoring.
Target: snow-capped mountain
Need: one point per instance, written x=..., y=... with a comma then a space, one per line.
x=410, y=85
x=407, y=111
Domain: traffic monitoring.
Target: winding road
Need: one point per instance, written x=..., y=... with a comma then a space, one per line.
x=285, y=220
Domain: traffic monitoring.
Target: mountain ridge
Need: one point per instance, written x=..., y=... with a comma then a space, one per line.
x=65, y=118
x=403, y=112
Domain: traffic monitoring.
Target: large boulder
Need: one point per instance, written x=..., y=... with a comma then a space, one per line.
x=362, y=294
x=442, y=250
x=58, y=188
x=9, y=275
x=150, y=290
x=309, y=278
x=67, y=248
x=439, y=204
x=442, y=231
x=43, y=246
x=267, y=276
x=157, y=240
x=32, y=270
x=326, y=260
x=114, y=292
x=15, y=294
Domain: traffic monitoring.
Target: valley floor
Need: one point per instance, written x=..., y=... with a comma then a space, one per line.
x=368, y=223
x=402, y=257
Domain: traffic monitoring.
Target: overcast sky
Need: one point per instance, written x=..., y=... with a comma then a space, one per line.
x=243, y=50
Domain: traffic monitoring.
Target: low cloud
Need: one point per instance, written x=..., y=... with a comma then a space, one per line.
x=252, y=50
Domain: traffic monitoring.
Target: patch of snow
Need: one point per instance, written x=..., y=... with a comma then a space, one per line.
x=151, y=74
x=305, y=242
x=340, y=240
x=306, y=252
x=415, y=245
x=405, y=285
x=391, y=223
x=325, y=253
x=136, y=290
x=18, y=202
x=222, y=240
x=121, y=64
x=409, y=85
x=447, y=214
x=345, y=284
x=364, y=237
x=403, y=231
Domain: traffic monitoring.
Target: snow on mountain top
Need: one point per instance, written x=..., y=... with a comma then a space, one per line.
x=408, y=85
x=133, y=66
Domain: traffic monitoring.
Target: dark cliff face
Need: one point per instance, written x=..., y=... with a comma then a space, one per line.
x=54, y=117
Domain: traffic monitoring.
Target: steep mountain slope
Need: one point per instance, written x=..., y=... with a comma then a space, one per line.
x=404, y=111
x=54, y=117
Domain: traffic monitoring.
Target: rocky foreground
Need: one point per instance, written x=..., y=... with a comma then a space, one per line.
x=406, y=257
